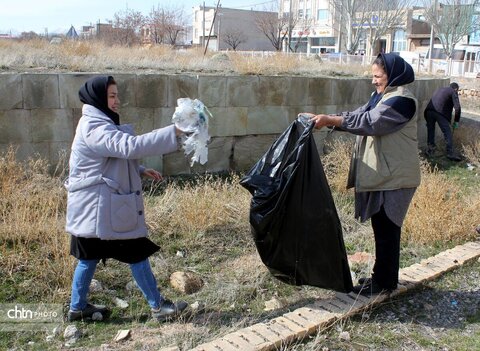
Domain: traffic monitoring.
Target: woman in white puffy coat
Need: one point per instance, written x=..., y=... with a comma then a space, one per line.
x=105, y=211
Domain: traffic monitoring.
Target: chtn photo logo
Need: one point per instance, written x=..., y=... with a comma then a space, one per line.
x=15, y=313
x=20, y=312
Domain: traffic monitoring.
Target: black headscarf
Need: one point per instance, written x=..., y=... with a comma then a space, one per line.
x=94, y=92
x=398, y=71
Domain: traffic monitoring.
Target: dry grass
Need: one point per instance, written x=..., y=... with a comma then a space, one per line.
x=271, y=65
x=82, y=56
x=336, y=163
x=194, y=209
x=211, y=213
x=207, y=219
x=438, y=212
x=88, y=56
x=32, y=240
x=469, y=139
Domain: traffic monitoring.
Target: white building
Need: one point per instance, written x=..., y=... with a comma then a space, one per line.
x=314, y=28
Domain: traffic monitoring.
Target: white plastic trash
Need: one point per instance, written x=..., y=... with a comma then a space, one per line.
x=191, y=116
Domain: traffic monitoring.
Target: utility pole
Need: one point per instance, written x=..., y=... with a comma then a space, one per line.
x=211, y=27
x=340, y=33
x=289, y=24
x=203, y=26
x=432, y=40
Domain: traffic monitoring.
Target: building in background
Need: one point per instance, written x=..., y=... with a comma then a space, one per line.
x=231, y=29
x=313, y=26
x=95, y=31
x=317, y=27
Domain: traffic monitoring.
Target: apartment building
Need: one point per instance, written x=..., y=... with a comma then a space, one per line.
x=316, y=29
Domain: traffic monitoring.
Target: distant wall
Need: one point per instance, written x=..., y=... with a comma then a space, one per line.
x=39, y=112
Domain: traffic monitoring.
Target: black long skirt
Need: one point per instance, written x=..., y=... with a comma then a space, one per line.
x=127, y=251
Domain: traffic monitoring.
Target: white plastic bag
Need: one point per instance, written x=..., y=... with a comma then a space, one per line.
x=191, y=116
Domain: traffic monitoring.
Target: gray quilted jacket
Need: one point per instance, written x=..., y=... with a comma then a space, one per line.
x=104, y=186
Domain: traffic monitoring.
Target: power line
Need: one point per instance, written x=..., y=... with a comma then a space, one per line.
x=259, y=3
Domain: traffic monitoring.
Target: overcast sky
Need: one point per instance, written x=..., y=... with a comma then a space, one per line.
x=55, y=15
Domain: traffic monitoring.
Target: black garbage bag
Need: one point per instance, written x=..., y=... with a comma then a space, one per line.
x=294, y=221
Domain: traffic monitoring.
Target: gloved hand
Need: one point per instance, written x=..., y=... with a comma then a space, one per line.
x=455, y=125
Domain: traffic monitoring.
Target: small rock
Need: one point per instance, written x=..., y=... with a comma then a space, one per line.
x=97, y=316
x=180, y=253
x=197, y=306
x=361, y=257
x=95, y=286
x=122, y=335
x=220, y=57
x=273, y=304
x=71, y=332
x=49, y=338
x=353, y=275
x=131, y=285
x=186, y=282
x=120, y=303
x=344, y=336
x=56, y=330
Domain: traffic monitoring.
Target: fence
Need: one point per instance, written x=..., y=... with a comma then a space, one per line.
x=455, y=68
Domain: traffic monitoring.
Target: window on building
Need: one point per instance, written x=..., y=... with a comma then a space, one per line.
x=307, y=13
x=300, y=13
x=300, y=44
x=322, y=15
x=400, y=40
x=323, y=41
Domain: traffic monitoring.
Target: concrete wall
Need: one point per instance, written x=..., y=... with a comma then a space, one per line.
x=39, y=112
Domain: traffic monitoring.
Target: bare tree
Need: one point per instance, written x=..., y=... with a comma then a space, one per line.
x=233, y=38
x=275, y=28
x=452, y=20
x=383, y=16
x=305, y=27
x=29, y=35
x=350, y=14
x=126, y=27
x=166, y=24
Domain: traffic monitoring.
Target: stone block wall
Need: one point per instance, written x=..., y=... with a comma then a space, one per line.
x=39, y=112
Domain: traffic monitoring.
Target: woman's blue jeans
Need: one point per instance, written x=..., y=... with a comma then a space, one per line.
x=141, y=272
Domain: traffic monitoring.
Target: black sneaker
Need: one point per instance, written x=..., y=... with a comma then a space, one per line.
x=169, y=310
x=364, y=280
x=454, y=157
x=430, y=151
x=369, y=288
x=88, y=312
